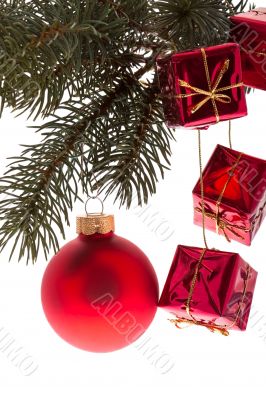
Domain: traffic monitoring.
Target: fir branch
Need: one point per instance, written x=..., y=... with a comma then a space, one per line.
x=131, y=169
x=44, y=42
x=92, y=54
x=192, y=24
x=236, y=8
x=53, y=176
x=122, y=12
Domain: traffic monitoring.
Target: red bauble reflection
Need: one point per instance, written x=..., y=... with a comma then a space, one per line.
x=100, y=292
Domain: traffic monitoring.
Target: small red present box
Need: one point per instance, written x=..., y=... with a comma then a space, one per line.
x=202, y=87
x=210, y=288
x=234, y=195
x=249, y=30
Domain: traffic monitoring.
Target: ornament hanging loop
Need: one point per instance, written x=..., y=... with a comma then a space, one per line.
x=96, y=197
x=95, y=222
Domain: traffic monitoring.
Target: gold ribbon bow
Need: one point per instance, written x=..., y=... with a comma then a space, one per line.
x=214, y=93
x=223, y=224
x=191, y=320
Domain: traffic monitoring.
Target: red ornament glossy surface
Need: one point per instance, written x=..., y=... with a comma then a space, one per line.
x=243, y=205
x=100, y=292
x=189, y=67
x=218, y=290
x=249, y=30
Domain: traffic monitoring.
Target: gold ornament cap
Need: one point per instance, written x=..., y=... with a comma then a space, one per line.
x=95, y=223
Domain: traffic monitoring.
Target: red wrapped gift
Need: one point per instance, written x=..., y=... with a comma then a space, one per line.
x=202, y=87
x=210, y=288
x=234, y=195
x=249, y=30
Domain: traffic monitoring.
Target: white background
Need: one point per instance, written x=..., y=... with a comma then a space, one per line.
x=203, y=365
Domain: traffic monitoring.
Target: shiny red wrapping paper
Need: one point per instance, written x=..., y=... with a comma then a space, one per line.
x=243, y=205
x=249, y=30
x=218, y=295
x=189, y=67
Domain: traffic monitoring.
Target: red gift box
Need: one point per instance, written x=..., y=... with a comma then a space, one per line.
x=210, y=288
x=249, y=30
x=202, y=87
x=234, y=195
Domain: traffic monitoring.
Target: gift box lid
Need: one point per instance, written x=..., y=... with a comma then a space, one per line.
x=186, y=55
x=250, y=191
x=257, y=16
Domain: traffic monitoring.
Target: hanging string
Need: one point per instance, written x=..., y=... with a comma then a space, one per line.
x=202, y=190
x=230, y=134
x=82, y=161
x=94, y=191
x=202, y=181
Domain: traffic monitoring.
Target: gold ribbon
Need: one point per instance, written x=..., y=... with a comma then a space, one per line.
x=257, y=53
x=260, y=53
x=219, y=201
x=223, y=223
x=214, y=93
x=222, y=329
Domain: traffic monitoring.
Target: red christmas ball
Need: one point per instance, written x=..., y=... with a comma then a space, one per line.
x=100, y=291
